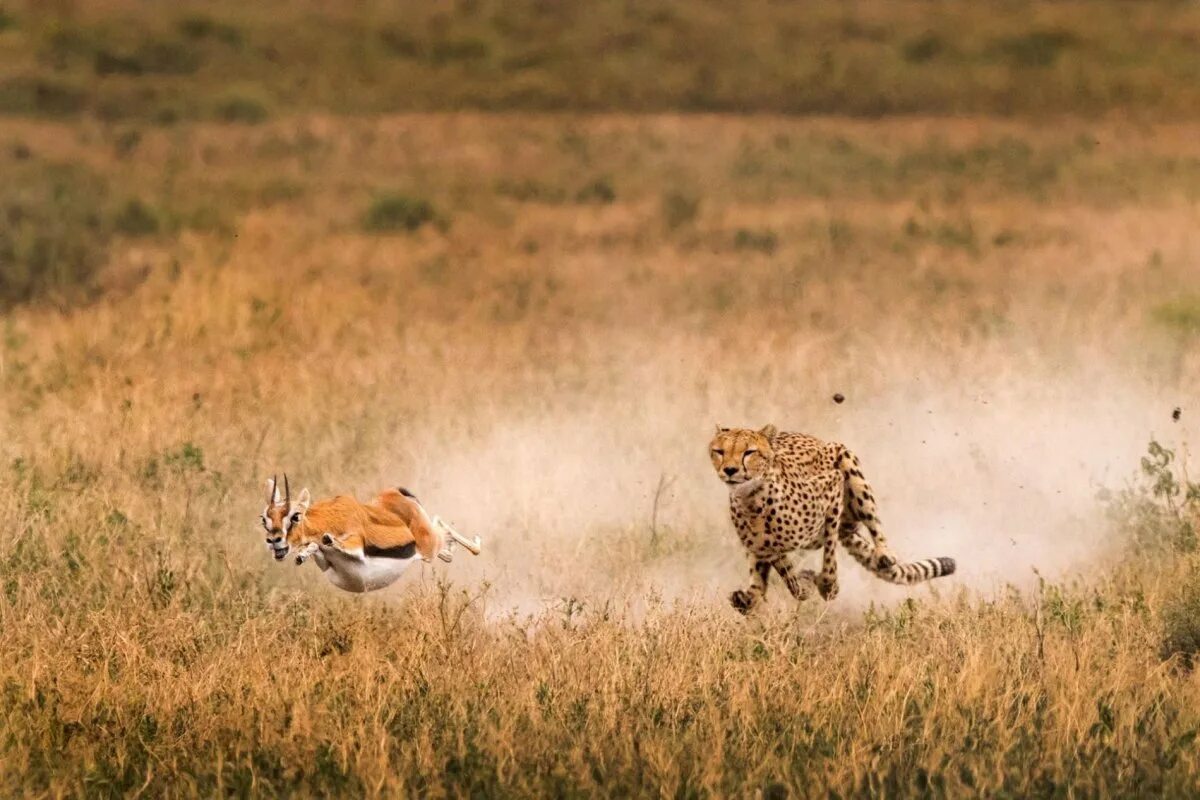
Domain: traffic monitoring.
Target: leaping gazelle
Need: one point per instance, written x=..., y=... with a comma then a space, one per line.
x=359, y=546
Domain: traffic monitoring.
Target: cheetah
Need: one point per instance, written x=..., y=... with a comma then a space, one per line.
x=791, y=491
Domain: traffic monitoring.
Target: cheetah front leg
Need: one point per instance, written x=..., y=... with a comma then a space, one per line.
x=744, y=601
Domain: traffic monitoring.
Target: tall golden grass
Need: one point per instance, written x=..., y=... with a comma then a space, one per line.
x=1009, y=310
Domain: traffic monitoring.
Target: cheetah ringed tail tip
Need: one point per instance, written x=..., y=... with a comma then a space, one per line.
x=923, y=570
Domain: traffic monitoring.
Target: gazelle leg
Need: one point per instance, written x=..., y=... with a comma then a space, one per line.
x=447, y=552
x=349, y=544
x=473, y=546
x=304, y=552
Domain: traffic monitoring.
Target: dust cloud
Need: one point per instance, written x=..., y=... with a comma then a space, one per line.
x=999, y=469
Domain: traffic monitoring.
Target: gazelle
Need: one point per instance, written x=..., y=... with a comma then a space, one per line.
x=359, y=546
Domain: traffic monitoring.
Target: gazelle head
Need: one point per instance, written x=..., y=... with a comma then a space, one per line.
x=283, y=514
x=277, y=517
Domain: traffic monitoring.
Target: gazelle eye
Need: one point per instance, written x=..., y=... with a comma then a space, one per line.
x=266, y=523
x=296, y=518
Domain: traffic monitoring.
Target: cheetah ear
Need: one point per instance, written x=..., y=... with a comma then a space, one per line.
x=720, y=429
x=769, y=431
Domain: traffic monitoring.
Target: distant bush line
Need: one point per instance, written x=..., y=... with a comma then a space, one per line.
x=822, y=57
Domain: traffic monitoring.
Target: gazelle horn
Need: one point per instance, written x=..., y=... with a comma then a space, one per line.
x=287, y=492
x=271, y=490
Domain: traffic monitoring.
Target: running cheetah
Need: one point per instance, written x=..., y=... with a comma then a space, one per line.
x=790, y=491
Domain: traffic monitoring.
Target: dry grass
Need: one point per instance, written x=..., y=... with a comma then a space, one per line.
x=1000, y=303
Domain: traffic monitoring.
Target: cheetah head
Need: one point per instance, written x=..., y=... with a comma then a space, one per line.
x=742, y=454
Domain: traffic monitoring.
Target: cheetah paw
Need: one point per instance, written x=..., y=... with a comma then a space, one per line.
x=828, y=587
x=884, y=561
x=742, y=601
x=806, y=581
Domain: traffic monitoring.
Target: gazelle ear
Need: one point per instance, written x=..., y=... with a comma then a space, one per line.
x=303, y=501
x=769, y=431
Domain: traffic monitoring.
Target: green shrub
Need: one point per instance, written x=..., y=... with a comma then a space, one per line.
x=446, y=51
x=393, y=212
x=207, y=218
x=279, y=190
x=52, y=233
x=29, y=94
x=1181, y=315
x=398, y=41
x=1181, y=625
x=126, y=142
x=1161, y=511
x=764, y=241
x=135, y=218
x=241, y=105
x=200, y=27
x=64, y=44
x=1039, y=48
x=679, y=209
x=598, y=191
x=924, y=48
x=112, y=63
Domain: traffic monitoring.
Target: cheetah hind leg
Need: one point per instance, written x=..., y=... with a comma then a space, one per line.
x=800, y=582
x=859, y=506
x=870, y=551
x=827, y=581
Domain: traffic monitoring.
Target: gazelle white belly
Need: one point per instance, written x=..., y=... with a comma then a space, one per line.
x=364, y=573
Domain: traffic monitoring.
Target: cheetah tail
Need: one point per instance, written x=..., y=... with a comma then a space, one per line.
x=918, y=571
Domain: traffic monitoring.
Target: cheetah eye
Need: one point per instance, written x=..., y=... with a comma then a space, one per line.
x=717, y=452
x=749, y=452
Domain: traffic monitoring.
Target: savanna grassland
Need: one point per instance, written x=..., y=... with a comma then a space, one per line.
x=520, y=258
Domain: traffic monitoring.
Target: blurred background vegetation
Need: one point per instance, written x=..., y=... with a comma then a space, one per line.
x=131, y=67
x=221, y=60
